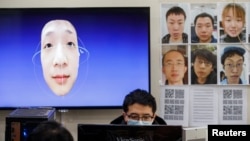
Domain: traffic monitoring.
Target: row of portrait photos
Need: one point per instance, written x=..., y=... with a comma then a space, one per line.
x=197, y=22
x=195, y=64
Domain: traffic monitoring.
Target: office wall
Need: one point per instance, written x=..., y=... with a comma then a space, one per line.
x=72, y=117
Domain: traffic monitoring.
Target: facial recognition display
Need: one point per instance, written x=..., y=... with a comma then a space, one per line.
x=73, y=57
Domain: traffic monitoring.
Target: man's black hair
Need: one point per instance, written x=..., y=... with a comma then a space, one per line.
x=176, y=10
x=203, y=15
x=141, y=97
x=50, y=131
x=204, y=54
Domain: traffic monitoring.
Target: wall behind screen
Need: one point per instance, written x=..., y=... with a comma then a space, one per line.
x=72, y=117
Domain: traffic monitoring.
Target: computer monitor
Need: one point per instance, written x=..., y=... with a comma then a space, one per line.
x=21, y=122
x=111, y=132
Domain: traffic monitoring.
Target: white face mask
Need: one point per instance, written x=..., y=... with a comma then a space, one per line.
x=139, y=122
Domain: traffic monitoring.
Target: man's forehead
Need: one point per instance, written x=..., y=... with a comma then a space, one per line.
x=206, y=19
x=235, y=58
x=176, y=55
x=200, y=57
x=139, y=107
x=58, y=25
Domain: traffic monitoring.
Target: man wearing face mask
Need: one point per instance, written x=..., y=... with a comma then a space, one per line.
x=139, y=108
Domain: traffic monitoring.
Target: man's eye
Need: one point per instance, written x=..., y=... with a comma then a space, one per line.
x=169, y=64
x=48, y=45
x=239, y=64
x=71, y=44
x=134, y=116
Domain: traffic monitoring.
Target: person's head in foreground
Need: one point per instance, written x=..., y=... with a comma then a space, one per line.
x=232, y=61
x=50, y=131
x=139, y=108
x=59, y=55
x=174, y=67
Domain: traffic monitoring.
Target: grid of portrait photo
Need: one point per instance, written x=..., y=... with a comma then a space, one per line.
x=205, y=43
x=205, y=53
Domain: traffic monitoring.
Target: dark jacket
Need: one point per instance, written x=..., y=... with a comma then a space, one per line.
x=166, y=38
x=211, y=79
x=120, y=120
x=195, y=39
x=227, y=39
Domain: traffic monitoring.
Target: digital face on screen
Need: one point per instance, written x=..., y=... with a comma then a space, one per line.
x=59, y=55
x=66, y=59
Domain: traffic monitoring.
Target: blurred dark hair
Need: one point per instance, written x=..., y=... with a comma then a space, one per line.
x=141, y=97
x=203, y=15
x=176, y=10
x=204, y=54
x=50, y=131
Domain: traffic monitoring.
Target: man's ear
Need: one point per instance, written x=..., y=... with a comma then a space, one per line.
x=125, y=117
x=154, y=116
x=124, y=114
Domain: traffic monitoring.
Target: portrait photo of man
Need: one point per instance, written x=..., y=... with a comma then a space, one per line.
x=174, y=65
x=203, y=23
x=233, y=61
x=174, y=24
x=204, y=64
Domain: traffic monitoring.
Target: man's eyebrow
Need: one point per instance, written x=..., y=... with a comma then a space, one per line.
x=231, y=60
x=134, y=114
x=172, y=19
x=145, y=114
x=178, y=60
x=48, y=33
x=69, y=31
x=240, y=60
x=169, y=60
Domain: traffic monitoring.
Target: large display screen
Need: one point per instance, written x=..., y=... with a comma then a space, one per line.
x=73, y=57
